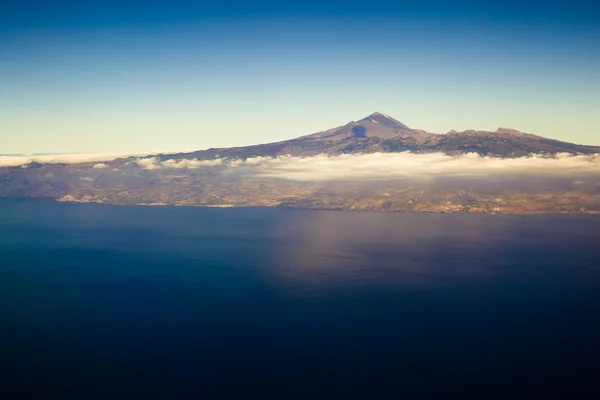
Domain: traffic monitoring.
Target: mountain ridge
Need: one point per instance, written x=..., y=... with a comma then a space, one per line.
x=382, y=133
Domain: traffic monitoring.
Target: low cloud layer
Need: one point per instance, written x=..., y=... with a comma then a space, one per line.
x=154, y=163
x=14, y=161
x=18, y=160
x=352, y=167
x=391, y=166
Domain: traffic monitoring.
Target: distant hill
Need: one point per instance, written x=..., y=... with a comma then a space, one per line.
x=382, y=133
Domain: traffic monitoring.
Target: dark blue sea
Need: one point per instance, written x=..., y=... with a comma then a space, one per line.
x=100, y=301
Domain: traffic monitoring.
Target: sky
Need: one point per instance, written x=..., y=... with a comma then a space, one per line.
x=141, y=76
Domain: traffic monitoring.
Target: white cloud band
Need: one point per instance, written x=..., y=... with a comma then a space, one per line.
x=392, y=166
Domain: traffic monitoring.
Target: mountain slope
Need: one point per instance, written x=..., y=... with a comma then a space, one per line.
x=376, y=125
x=503, y=142
x=382, y=133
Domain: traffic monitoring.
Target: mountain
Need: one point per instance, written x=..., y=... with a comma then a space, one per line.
x=382, y=133
x=376, y=125
x=363, y=177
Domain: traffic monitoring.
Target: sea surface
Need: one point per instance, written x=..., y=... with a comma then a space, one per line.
x=100, y=301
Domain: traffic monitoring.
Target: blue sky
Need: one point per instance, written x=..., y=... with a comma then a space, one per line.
x=132, y=76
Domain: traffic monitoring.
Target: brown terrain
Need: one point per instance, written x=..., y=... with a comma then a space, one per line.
x=126, y=181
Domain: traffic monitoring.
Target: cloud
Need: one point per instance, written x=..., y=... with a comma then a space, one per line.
x=390, y=166
x=19, y=160
x=14, y=161
x=411, y=165
x=154, y=163
x=149, y=163
x=356, y=167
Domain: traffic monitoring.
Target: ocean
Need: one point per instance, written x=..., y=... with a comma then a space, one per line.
x=100, y=301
